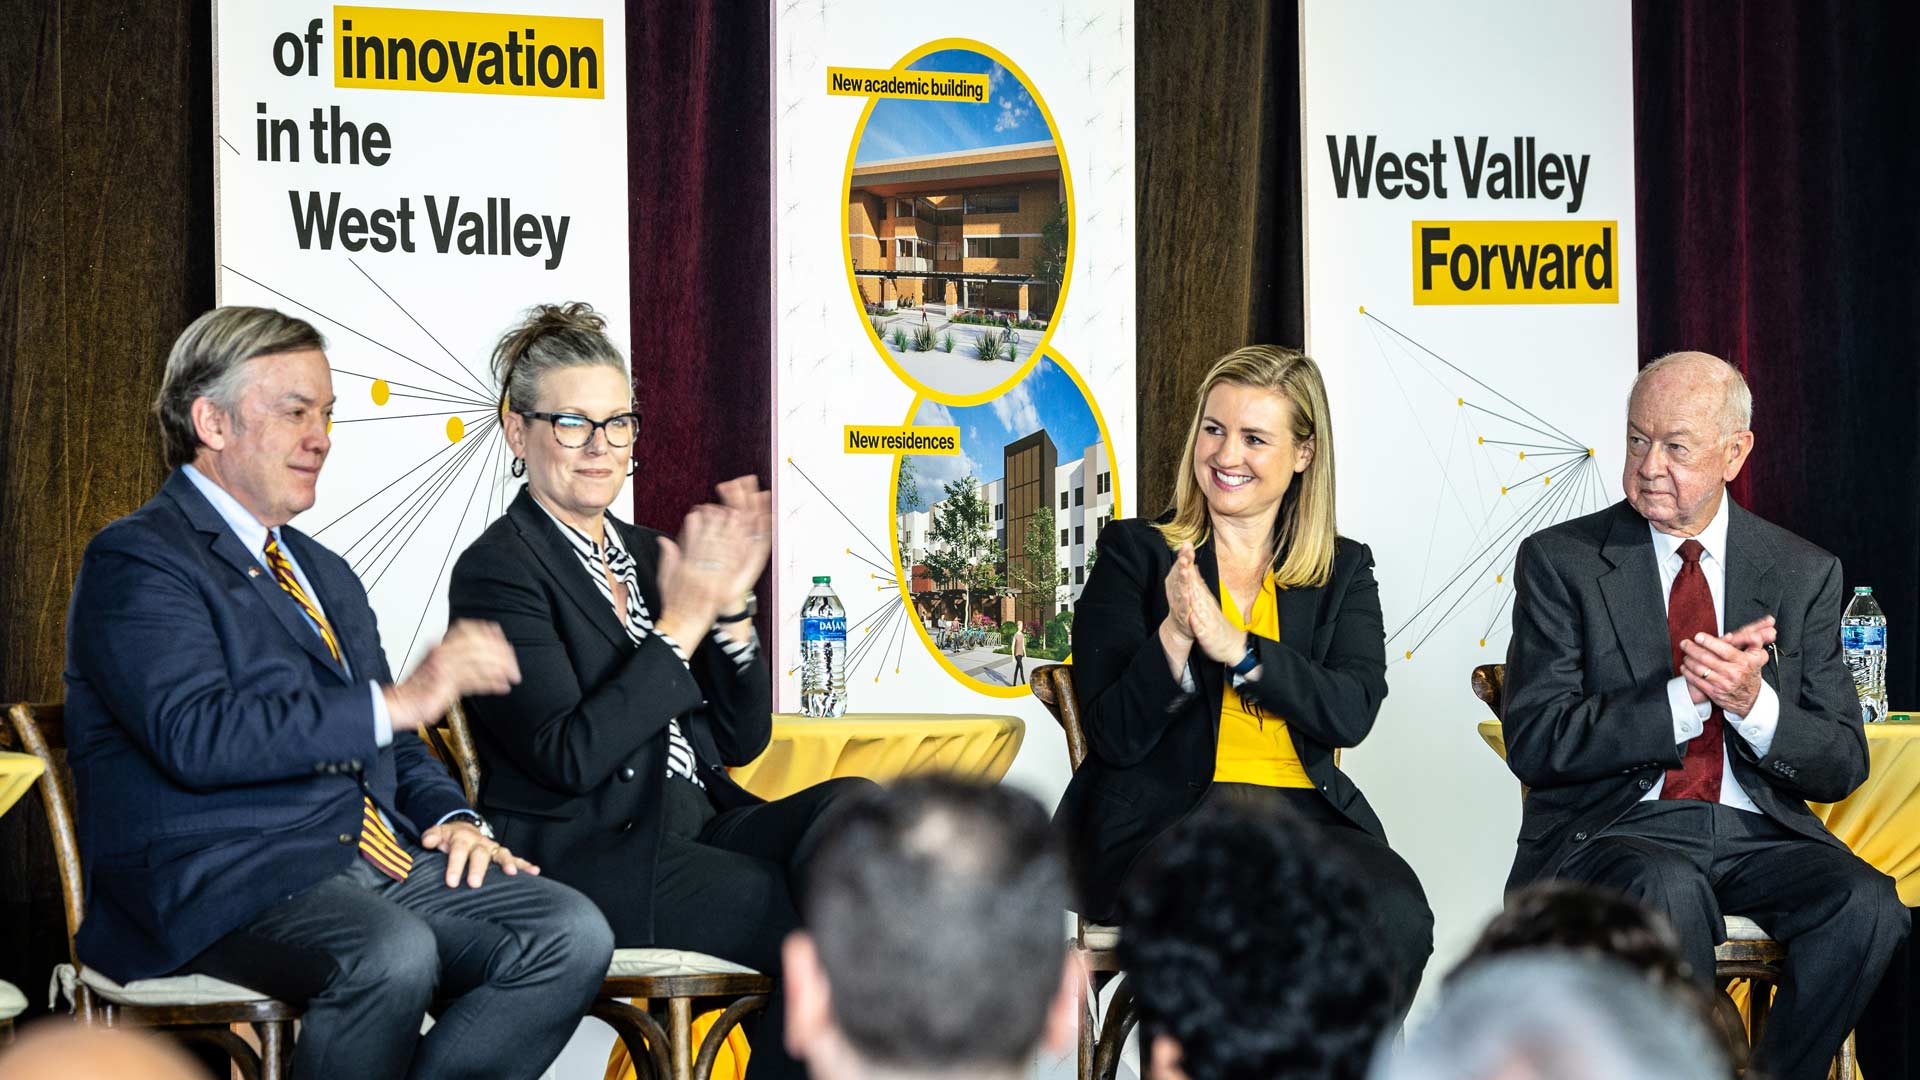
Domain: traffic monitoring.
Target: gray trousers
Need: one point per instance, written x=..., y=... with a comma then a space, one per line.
x=516, y=962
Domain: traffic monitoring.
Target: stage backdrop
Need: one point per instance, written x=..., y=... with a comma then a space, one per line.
x=409, y=181
x=953, y=362
x=1470, y=253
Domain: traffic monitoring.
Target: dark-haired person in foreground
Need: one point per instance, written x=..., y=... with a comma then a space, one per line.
x=934, y=943
x=1675, y=696
x=255, y=803
x=1252, y=954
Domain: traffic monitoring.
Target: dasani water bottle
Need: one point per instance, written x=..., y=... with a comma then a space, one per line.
x=1863, y=638
x=823, y=652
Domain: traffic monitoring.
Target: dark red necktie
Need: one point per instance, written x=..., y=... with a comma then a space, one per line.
x=1690, y=612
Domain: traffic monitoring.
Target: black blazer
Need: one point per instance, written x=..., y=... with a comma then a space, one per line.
x=219, y=752
x=1152, y=748
x=575, y=757
x=1588, y=726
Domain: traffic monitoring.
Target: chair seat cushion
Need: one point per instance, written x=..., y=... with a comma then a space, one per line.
x=1099, y=938
x=665, y=963
x=12, y=1001
x=172, y=990
x=1741, y=928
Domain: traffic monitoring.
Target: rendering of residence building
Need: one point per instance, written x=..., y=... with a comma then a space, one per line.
x=958, y=230
x=1080, y=491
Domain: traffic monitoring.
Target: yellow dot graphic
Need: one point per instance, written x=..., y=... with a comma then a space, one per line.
x=1409, y=654
x=1523, y=455
x=1483, y=440
x=381, y=392
x=1503, y=490
x=1589, y=451
x=1498, y=578
x=455, y=429
x=1548, y=480
x=1483, y=643
x=1460, y=401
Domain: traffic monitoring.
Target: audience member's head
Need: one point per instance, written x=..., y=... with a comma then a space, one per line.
x=1555, y=1015
x=1689, y=430
x=935, y=940
x=1584, y=919
x=64, y=1050
x=1251, y=956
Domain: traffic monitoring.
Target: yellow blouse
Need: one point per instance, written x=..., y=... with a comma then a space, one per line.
x=1255, y=747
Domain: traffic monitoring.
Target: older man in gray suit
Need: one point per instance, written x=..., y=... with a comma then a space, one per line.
x=1675, y=695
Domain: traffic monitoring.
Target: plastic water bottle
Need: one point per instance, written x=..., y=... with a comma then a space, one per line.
x=1863, y=638
x=823, y=652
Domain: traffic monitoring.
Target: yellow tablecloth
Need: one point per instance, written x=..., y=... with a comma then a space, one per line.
x=878, y=746
x=1880, y=821
x=17, y=774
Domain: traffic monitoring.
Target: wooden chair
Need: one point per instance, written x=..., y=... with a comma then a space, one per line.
x=659, y=1042
x=1747, y=955
x=1096, y=945
x=194, y=1008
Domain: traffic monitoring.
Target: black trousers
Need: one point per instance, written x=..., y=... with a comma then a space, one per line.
x=1400, y=912
x=519, y=959
x=727, y=883
x=1840, y=919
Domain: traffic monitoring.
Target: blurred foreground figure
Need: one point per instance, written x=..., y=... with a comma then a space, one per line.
x=1555, y=1016
x=935, y=942
x=63, y=1050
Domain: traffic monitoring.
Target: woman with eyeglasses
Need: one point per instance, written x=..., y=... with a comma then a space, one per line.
x=642, y=679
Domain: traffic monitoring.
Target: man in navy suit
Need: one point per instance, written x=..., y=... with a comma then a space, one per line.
x=254, y=801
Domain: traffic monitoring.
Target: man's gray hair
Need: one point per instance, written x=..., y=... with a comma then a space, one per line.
x=1551, y=1015
x=209, y=361
x=1736, y=405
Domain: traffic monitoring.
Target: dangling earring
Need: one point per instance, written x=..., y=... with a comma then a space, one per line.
x=519, y=467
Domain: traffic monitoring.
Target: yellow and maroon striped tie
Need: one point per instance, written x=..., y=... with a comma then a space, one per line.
x=377, y=843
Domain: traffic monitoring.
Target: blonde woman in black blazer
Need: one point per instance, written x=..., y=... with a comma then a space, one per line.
x=642, y=680
x=1182, y=706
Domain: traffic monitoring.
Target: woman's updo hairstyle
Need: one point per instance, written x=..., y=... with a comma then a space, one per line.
x=551, y=337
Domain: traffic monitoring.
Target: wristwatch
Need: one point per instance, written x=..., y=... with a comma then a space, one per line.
x=1247, y=663
x=474, y=819
x=751, y=609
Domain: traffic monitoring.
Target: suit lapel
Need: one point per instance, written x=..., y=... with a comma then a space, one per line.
x=558, y=559
x=1208, y=677
x=646, y=564
x=1751, y=591
x=1632, y=593
x=227, y=546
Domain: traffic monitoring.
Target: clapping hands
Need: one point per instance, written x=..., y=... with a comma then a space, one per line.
x=1194, y=616
x=721, y=553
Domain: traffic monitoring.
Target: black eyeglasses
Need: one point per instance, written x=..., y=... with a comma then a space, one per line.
x=574, y=431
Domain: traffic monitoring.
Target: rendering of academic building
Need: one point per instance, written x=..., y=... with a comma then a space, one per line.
x=1080, y=491
x=957, y=230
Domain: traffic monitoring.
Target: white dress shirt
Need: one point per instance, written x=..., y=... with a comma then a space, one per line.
x=1756, y=727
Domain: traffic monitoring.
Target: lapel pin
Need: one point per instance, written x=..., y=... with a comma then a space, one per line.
x=253, y=571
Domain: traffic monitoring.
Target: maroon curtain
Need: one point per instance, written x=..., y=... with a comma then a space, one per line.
x=700, y=184
x=1776, y=147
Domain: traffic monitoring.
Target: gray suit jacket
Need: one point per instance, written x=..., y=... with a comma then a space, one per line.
x=1588, y=726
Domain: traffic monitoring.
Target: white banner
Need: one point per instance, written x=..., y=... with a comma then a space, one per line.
x=410, y=181
x=1470, y=253
x=954, y=379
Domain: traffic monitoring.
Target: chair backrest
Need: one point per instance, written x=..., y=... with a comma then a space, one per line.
x=1489, y=685
x=452, y=742
x=1053, y=685
x=40, y=730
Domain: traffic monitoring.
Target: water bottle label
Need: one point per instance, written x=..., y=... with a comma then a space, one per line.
x=827, y=629
x=1863, y=637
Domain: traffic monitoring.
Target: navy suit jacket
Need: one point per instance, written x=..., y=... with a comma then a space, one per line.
x=219, y=752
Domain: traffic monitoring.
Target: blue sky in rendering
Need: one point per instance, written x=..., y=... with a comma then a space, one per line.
x=901, y=128
x=1046, y=398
